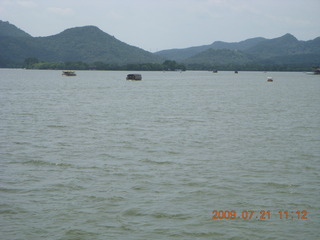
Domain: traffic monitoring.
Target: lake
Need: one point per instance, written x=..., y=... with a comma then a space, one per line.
x=191, y=155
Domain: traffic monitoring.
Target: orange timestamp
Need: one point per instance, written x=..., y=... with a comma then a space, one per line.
x=250, y=214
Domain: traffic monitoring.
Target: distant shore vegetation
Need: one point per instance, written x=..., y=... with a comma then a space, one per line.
x=167, y=65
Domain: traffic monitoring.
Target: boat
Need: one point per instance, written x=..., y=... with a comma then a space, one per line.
x=134, y=77
x=316, y=71
x=69, y=73
x=269, y=79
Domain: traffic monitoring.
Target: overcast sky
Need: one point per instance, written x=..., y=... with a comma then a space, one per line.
x=164, y=24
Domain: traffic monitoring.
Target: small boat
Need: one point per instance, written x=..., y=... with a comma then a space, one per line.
x=134, y=77
x=69, y=73
x=269, y=79
x=316, y=71
x=235, y=71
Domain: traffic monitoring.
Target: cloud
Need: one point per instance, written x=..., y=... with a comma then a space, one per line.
x=27, y=4
x=61, y=11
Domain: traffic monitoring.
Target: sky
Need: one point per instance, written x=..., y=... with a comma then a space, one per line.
x=155, y=25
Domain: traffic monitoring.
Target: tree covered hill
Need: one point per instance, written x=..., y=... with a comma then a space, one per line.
x=286, y=45
x=219, y=57
x=259, y=52
x=185, y=53
x=87, y=44
x=90, y=44
x=10, y=30
x=15, y=45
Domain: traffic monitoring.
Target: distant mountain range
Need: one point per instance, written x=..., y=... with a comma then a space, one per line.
x=89, y=44
x=185, y=53
x=285, y=50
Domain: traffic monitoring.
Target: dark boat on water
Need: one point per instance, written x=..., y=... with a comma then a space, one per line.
x=316, y=71
x=134, y=77
x=269, y=79
x=68, y=73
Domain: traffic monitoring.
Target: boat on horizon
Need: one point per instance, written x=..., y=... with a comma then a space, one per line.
x=134, y=77
x=69, y=73
x=316, y=71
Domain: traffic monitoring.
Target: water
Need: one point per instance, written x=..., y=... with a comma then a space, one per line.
x=99, y=157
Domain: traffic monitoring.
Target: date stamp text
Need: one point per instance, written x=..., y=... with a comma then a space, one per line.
x=263, y=214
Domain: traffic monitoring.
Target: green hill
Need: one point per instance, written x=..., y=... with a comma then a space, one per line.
x=219, y=57
x=15, y=45
x=88, y=44
x=285, y=45
x=9, y=30
x=255, y=53
x=185, y=53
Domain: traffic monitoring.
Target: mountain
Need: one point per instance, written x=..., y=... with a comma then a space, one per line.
x=260, y=52
x=10, y=30
x=91, y=45
x=14, y=42
x=184, y=53
x=219, y=57
x=286, y=50
x=285, y=45
x=88, y=44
